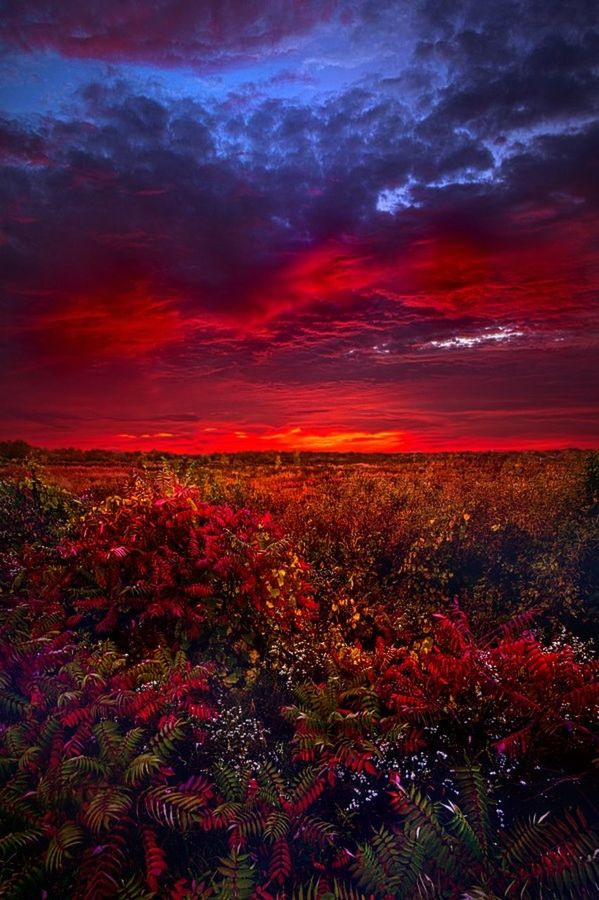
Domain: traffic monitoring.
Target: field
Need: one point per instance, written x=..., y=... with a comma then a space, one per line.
x=299, y=676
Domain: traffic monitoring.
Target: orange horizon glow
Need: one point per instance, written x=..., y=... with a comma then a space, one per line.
x=290, y=438
x=293, y=439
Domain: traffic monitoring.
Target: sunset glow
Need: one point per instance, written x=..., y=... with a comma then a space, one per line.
x=299, y=226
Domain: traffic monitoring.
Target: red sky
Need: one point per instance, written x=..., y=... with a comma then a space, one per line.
x=317, y=226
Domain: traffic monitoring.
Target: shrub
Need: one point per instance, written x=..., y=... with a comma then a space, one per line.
x=31, y=512
x=165, y=563
x=98, y=761
x=506, y=697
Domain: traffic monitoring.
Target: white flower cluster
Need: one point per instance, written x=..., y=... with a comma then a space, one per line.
x=294, y=664
x=238, y=738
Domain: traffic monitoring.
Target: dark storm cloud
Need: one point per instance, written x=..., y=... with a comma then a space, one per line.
x=496, y=100
x=556, y=166
x=502, y=25
x=18, y=144
x=511, y=65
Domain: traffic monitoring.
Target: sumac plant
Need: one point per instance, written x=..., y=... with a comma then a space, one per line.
x=99, y=759
x=164, y=561
x=106, y=792
x=507, y=697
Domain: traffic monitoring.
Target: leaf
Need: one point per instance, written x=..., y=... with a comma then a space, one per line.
x=143, y=766
x=68, y=836
x=107, y=807
x=173, y=808
x=19, y=840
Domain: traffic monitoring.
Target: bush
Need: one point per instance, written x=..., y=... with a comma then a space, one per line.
x=160, y=564
x=32, y=512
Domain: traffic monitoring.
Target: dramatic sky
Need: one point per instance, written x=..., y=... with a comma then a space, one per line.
x=299, y=224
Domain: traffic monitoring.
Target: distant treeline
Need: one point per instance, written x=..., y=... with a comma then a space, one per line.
x=20, y=451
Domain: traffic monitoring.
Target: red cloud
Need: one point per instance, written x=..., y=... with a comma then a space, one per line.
x=454, y=274
x=527, y=272
x=164, y=32
x=111, y=324
x=337, y=270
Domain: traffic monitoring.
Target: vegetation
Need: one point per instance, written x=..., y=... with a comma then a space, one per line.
x=297, y=678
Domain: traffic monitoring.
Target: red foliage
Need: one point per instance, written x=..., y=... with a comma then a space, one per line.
x=106, y=780
x=512, y=696
x=156, y=562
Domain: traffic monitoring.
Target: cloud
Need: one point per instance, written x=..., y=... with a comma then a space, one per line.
x=166, y=33
x=108, y=325
x=461, y=342
x=432, y=186
x=139, y=190
x=19, y=145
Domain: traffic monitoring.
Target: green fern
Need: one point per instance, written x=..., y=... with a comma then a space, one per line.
x=475, y=803
x=141, y=768
x=369, y=871
x=174, y=809
x=108, y=806
x=17, y=841
x=272, y=784
x=166, y=739
x=24, y=884
x=557, y=855
x=237, y=877
x=135, y=889
x=276, y=825
x=230, y=782
x=59, y=848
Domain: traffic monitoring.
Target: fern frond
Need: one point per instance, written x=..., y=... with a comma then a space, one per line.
x=280, y=863
x=78, y=766
x=131, y=742
x=103, y=868
x=343, y=892
x=560, y=856
x=475, y=803
x=134, y=889
x=107, y=806
x=316, y=831
x=26, y=883
x=143, y=766
x=237, y=877
x=276, y=825
x=311, y=891
x=412, y=861
x=16, y=841
x=459, y=825
x=68, y=836
x=272, y=783
x=165, y=741
x=307, y=790
x=369, y=871
x=14, y=806
x=110, y=740
x=13, y=705
x=172, y=808
x=247, y=823
x=230, y=782
x=155, y=858
x=386, y=846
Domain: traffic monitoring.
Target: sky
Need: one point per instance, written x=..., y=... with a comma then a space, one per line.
x=299, y=224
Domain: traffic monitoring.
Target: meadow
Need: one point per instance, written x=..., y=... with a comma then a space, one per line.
x=299, y=676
